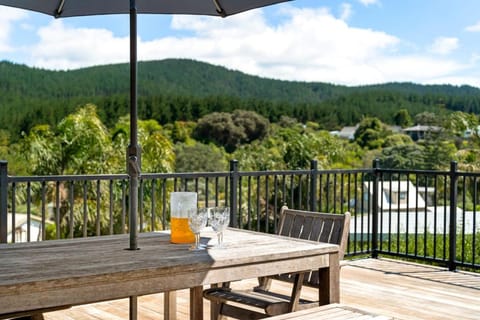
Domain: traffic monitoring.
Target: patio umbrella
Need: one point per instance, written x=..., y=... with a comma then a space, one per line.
x=75, y=8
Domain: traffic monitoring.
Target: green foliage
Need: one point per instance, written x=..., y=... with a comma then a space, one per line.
x=157, y=154
x=181, y=131
x=199, y=157
x=427, y=119
x=294, y=148
x=229, y=130
x=371, y=133
x=402, y=118
x=403, y=156
x=396, y=140
x=185, y=90
x=432, y=246
x=458, y=122
x=78, y=145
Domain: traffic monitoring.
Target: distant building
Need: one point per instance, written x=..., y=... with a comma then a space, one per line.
x=469, y=133
x=346, y=132
x=419, y=132
x=21, y=228
x=399, y=195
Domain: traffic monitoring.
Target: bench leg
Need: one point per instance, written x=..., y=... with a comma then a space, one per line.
x=215, y=310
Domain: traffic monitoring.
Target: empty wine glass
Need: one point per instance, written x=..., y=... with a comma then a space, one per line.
x=219, y=220
x=197, y=220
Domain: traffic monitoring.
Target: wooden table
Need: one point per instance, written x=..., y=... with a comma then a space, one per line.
x=79, y=271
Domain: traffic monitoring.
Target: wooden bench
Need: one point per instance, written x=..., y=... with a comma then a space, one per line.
x=331, y=311
x=308, y=225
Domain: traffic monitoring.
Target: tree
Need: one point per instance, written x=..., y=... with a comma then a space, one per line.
x=427, y=119
x=403, y=156
x=254, y=125
x=439, y=151
x=158, y=153
x=181, y=131
x=79, y=144
x=371, y=133
x=199, y=158
x=402, y=118
x=459, y=122
x=397, y=140
x=231, y=130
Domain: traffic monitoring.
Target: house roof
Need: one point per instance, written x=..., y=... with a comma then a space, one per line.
x=422, y=128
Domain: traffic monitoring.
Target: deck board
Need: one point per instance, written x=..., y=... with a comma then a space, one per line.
x=382, y=286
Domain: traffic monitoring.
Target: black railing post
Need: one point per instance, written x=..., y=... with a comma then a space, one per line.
x=313, y=184
x=375, y=194
x=3, y=201
x=453, y=216
x=233, y=193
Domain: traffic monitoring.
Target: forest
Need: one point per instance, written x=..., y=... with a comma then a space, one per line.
x=76, y=122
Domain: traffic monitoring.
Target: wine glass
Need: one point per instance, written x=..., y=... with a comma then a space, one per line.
x=197, y=220
x=219, y=220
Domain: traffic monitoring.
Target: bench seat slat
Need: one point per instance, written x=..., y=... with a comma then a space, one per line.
x=331, y=311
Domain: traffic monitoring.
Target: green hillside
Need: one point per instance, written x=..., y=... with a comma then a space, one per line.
x=177, y=89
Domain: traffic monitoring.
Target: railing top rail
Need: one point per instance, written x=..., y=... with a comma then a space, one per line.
x=184, y=175
x=414, y=171
x=301, y=172
x=55, y=178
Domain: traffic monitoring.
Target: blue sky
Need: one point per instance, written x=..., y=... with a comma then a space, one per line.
x=355, y=42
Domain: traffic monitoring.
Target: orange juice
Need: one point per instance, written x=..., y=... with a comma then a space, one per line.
x=181, y=232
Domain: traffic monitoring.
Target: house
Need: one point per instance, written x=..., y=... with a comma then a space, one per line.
x=469, y=133
x=398, y=195
x=345, y=132
x=21, y=228
x=419, y=132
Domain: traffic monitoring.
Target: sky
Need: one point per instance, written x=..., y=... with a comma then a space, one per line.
x=349, y=42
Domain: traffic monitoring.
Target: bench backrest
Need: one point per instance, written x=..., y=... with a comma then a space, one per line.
x=315, y=226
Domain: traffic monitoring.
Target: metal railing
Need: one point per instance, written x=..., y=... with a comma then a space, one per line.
x=417, y=214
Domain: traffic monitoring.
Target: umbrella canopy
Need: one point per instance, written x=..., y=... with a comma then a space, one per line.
x=75, y=8
x=72, y=8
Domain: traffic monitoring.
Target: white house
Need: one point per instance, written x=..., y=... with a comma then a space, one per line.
x=21, y=228
x=398, y=195
x=346, y=132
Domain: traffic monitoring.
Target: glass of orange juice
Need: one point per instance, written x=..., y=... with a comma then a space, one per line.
x=181, y=203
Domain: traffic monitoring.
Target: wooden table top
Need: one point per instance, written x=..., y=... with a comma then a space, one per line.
x=84, y=270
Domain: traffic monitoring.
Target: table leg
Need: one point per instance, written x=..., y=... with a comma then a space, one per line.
x=329, y=281
x=133, y=307
x=170, y=305
x=196, y=303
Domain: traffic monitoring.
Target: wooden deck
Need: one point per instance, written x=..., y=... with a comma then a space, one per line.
x=382, y=286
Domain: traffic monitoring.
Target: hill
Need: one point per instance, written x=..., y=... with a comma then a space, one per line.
x=178, y=89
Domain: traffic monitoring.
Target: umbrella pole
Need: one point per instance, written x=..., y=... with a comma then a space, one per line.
x=133, y=151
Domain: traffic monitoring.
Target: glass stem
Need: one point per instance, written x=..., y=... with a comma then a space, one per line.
x=220, y=238
x=197, y=240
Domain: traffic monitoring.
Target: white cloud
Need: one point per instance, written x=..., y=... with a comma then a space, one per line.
x=7, y=17
x=474, y=28
x=310, y=45
x=303, y=44
x=444, y=45
x=346, y=11
x=61, y=47
x=369, y=2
